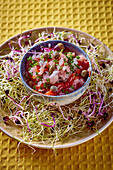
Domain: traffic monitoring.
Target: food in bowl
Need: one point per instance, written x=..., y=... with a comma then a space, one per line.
x=55, y=70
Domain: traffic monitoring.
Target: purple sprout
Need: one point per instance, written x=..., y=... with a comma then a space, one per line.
x=45, y=123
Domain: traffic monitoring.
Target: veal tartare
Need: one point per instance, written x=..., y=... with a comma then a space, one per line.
x=56, y=70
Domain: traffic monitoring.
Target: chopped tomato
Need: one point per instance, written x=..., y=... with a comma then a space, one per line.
x=83, y=62
x=78, y=71
x=27, y=65
x=89, y=73
x=70, y=80
x=50, y=92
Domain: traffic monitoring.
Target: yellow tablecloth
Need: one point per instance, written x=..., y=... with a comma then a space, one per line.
x=91, y=16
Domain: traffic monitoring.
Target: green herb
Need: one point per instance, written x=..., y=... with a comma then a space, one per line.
x=65, y=64
x=35, y=64
x=38, y=77
x=72, y=86
x=41, y=56
x=44, y=85
x=76, y=65
x=70, y=56
x=55, y=61
x=63, y=90
x=31, y=73
x=34, y=87
x=64, y=59
x=50, y=53
x=48, y=80
x=34, y=61
x=57, y=64
x=60, y=68
x=29, y=68
x=71, y=61
x=66, y=92
x=66, y=53
x=49, y=66
x=71, y=67
x=67, y=72
x=76, y=74
x=36, y=73
x=30, y=58
x=40, y=87
x=36, y=82
x=77, y=57
x=30, y=64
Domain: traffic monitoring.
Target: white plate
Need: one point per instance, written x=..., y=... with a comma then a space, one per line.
x=14, y=131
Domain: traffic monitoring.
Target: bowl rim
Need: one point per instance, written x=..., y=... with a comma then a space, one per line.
x=59, y=96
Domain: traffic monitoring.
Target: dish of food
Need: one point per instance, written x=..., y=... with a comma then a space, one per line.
x=50, y=125
x=56, y=70
x=62, y=80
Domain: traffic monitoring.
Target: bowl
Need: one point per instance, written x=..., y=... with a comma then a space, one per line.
x=60, y=99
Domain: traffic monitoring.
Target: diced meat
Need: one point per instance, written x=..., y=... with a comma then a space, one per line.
x=56, y=72
x=78, y=82
x=51, y=63
x=75, y=63
x=42, y=69
x=37, y=56
x=61, y=93
x=82, y=61
x=62, y=74
x=54, y=77
x=45, y=63
x=66, y=68
x=47, y=49
x=45, y=77
x=61, y=61
x=33, y=69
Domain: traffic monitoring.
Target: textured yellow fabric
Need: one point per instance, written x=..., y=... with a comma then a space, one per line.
x=91, y=16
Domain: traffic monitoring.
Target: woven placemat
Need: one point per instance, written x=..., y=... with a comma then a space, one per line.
x=93, y=17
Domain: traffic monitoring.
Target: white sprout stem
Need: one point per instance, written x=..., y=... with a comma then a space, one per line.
x=16, y=117
x=20, y=103
x=15, y=102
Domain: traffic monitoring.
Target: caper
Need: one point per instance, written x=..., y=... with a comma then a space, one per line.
x=54, y=88
x=61, y=46
x=56, y=55
x=45, y=55
x=84, y=73
x=30, y=83
x=52, y=68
